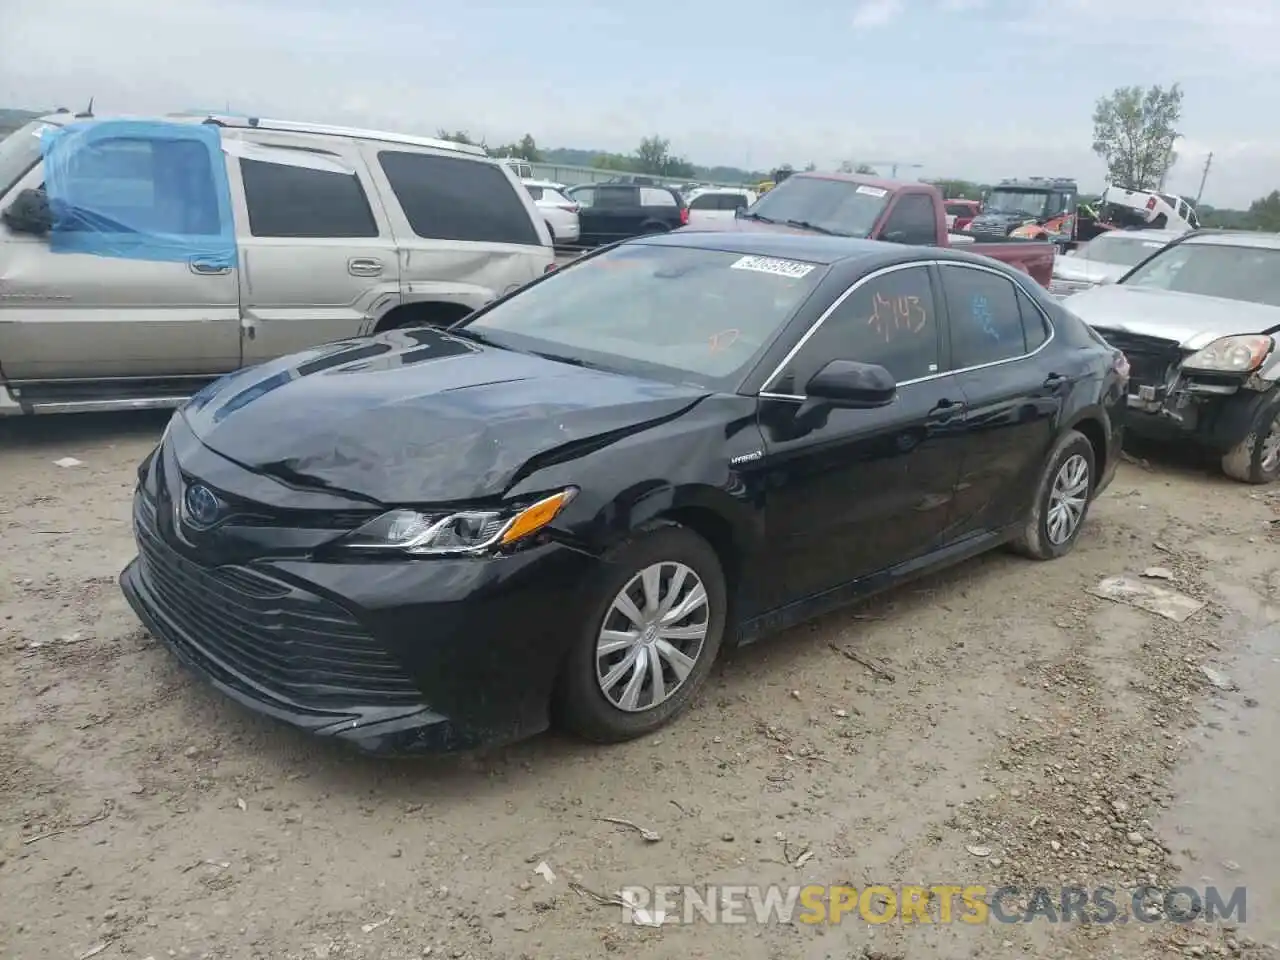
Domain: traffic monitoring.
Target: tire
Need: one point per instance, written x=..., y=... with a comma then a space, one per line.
x=1039, y=538
x=1256, y=458
x=653, y=227
x=581, y=704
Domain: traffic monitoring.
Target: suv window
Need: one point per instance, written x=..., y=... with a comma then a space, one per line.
x=615, y=197
x=535, y=192
x=889, y=320
x=583, y=196
x=707, y=201
x=656, y=197
x=912, y=221
x=986, y=324
x=291, y=201
x=733, y=201
x=446, y=198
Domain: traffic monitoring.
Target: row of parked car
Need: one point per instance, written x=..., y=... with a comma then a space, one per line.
x=595, y=214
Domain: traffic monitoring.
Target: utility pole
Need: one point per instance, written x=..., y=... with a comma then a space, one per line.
x=1203, y=177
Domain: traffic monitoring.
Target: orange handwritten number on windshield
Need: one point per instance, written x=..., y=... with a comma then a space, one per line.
x=899, y=313
x=724, y=339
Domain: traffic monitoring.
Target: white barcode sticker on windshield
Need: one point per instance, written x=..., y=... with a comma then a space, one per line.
x=775, y=265
x=872, y=191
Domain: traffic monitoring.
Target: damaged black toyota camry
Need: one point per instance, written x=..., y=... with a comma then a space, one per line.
x=566, y=504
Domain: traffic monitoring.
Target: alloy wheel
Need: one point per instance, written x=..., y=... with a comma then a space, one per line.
x=652, y=636
x=1067, y=499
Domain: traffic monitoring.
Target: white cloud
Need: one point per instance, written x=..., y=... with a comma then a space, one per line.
x=962, y=6
x=877, y=13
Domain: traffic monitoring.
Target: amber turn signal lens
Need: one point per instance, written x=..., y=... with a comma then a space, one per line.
x=533, y=518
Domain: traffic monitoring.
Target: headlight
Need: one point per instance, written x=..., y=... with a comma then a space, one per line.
x=460, y=532
x=1241, y=354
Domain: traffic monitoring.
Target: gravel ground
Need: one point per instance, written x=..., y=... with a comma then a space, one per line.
x=1031, y=734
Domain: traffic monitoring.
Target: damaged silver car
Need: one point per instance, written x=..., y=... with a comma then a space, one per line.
x=1200, y=324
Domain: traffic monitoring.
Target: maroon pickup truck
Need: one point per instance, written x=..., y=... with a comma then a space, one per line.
x=852, y=205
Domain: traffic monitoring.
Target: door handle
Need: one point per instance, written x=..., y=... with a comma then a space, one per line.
x=206, y=269
x=364, y=267
x=944, y=410
x=1054, y=380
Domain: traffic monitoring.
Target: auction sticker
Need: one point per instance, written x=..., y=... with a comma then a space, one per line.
x=871, y=191
x=775, y=265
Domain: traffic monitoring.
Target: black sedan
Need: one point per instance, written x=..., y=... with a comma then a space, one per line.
x=566, y=504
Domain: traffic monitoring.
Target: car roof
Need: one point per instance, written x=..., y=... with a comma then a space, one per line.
x=1165, y=235
x=1237, y=238
x=282, y=126
x=550, y=184
x=865, y=180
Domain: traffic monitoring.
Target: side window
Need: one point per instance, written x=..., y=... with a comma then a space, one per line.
x=656, y=197
x=585, y=197
x=733, y=201
x=889, y=321
x=912, y=221
x=707, y=201
x=292, y=201
x=535, y=192
x=153, y=186
x=616, y=197
x=445, y=198
x=1035, y=329
x=985, y=322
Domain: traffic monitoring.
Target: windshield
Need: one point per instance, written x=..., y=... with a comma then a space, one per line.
x=670, y=313
x=18, y=153
x=1250, y=274
x=1030, y=203
x=834, y=206
x=1122, y=251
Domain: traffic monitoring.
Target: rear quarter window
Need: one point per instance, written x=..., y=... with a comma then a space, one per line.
x=447, y=198
x=656, y=197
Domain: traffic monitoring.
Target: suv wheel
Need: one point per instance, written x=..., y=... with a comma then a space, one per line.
x=654, y=621
x=1062, y=500
x=1256, y=458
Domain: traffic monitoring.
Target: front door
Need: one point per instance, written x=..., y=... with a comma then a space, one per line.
x=96, y=300
x=853, y=492
x=319, y=258
x=1013, y=390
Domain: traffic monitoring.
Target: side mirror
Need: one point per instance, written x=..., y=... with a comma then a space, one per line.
x=848, y=383
x=29, y=213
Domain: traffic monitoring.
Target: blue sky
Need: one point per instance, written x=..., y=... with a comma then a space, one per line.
x=971, y=88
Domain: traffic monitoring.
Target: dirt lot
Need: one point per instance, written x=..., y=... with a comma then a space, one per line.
x=1031, y=734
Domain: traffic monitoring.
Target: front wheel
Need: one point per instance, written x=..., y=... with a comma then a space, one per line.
x=654, y=621
x=1256, y=458
x=1062, y=500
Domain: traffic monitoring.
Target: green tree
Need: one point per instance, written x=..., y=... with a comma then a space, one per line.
x=1264, y=213
x=460, y=136
x=1134, y=131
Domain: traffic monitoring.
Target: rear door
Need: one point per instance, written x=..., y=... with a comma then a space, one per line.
x=1014, y=390
x=319, y=258
x=85, y=316
x=468, y=232
x=660, y=208
x=615, y=213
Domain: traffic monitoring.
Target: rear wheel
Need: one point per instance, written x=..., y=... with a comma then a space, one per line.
x=654, y=226
x=653, y=626
x=1062, y=500
x=1256, y=458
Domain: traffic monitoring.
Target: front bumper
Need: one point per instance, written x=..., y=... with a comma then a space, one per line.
x=392, y=657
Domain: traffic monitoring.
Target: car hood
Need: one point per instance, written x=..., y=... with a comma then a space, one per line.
x=1087, y=271
x=421, y=416
x=1192, y=320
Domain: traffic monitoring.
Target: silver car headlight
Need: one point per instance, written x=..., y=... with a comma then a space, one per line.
x=1238, y=354
x=459, y=532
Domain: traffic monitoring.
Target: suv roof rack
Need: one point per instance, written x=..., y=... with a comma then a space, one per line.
x=293, y=126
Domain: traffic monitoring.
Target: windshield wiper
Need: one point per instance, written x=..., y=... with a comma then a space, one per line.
x=468, y=334
x=806, y=225
x=756, y=216
x=572, y=361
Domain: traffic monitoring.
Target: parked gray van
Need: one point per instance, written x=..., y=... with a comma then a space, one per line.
x=335, y=233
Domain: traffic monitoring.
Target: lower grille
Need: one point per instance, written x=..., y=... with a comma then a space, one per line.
x=300, y=646
x=1150, y=358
